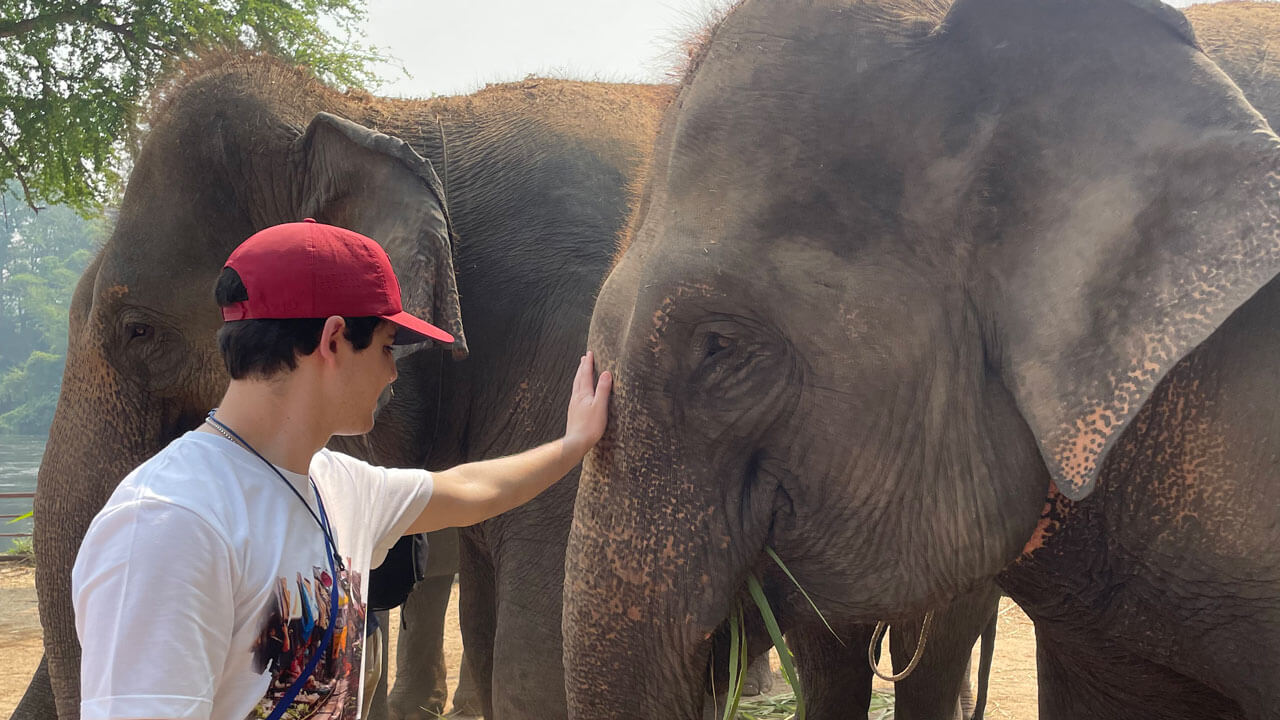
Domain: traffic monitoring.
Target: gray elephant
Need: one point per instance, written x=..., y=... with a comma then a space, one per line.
x=536, y=177
x=901, y=272
x=1243, y=38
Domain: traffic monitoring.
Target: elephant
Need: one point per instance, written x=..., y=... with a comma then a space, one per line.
x=536, y=176
x=421, y=685
x=921, y=295
x=1243, y=38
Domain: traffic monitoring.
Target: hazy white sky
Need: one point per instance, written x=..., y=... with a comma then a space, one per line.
x=456, y=46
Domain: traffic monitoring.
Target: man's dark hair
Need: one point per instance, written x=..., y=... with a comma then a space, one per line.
x=262, y=348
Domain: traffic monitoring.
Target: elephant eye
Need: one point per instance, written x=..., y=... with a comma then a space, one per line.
x=723, y=360
x=716, y=344
x=733, y=362
x=136, y=330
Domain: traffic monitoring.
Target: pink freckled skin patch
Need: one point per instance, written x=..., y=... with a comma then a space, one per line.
x=1049, y=520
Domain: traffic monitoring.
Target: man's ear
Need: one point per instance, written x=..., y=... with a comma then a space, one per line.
x=334, y=327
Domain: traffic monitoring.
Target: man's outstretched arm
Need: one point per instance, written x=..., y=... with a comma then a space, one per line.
x=470, y=493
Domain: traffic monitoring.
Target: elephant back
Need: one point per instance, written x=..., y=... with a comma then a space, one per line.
x=1243, y=38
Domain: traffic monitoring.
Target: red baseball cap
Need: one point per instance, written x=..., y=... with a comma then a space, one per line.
x=312, y=270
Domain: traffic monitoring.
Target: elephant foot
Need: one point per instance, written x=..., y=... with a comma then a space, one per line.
x=430, y=711
x=465, y=706
x=759, y=680
x=967, y=704
x=466, y=711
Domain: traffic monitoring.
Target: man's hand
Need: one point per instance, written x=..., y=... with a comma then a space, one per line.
x=588, y=407
x=468, y=494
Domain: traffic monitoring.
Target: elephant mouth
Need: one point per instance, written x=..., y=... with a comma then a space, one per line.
x=755, y=623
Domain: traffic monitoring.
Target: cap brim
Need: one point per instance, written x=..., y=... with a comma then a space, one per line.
x=412, y=330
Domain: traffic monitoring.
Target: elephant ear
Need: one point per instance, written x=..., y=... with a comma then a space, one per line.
x=1136, y=206
x=376, y=185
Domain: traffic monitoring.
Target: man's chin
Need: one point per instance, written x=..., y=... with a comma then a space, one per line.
x=359, y=429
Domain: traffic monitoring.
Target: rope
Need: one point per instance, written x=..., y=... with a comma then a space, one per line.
x=878, y=635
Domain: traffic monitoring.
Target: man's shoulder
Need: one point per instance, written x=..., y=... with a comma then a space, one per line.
x=329, y=463
x=189, y=471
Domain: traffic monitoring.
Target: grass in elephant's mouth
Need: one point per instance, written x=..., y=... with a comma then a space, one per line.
x=783, y=707
x=738, y=660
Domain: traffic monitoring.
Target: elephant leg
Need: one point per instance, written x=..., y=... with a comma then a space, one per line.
x=528, y=667
x=1092, y=678
x=375, y=699
x=968, y=704
x=934, y=689
x=979, y=707
x=420, y=690
x=834, y=674
x=466, y=701
x=375, y=668
x=477, y=610
x=1063, y=694
x=759, y=678
x=37, y=702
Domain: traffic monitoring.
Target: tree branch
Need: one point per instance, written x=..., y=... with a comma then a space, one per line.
x=40, y=21
x=21, y=176
x=84, y=13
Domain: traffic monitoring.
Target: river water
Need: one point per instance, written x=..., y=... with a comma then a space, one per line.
x=19, y=462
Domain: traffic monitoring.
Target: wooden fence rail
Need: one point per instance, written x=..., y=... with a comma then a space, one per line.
x=5, y=518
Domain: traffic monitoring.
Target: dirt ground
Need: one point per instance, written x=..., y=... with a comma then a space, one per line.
x=20, y=647
x=1013, y=676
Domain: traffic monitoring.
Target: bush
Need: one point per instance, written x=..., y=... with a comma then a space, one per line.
x=22, y=549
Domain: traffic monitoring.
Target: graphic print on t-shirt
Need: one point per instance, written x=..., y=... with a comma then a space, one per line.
x=297, y=623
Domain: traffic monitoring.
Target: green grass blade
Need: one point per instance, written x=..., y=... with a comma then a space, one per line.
x=775, y=634
x=737, y=665
x=812, y=604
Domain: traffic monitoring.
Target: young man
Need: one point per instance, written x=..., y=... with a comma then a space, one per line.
x=225, y=577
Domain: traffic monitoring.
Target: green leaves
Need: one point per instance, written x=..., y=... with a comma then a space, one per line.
x=74, y=75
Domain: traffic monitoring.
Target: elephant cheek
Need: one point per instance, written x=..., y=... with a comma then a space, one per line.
x=100, y=432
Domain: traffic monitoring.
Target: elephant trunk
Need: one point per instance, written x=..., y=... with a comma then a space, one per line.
x=98, y=435
x=627, y=653
x=649, y=577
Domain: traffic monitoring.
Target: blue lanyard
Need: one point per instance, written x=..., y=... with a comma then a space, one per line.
x=331, y=546
x=332, y=552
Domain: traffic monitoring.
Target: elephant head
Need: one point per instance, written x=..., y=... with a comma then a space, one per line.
x=899, y=271
x=236, y=148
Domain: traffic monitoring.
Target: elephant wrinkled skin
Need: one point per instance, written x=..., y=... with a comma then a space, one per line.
x=900, y=271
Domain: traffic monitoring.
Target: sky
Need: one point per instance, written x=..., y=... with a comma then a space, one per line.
x=456, y=46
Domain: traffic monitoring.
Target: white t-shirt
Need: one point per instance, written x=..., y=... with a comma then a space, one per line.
x=203, y=585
